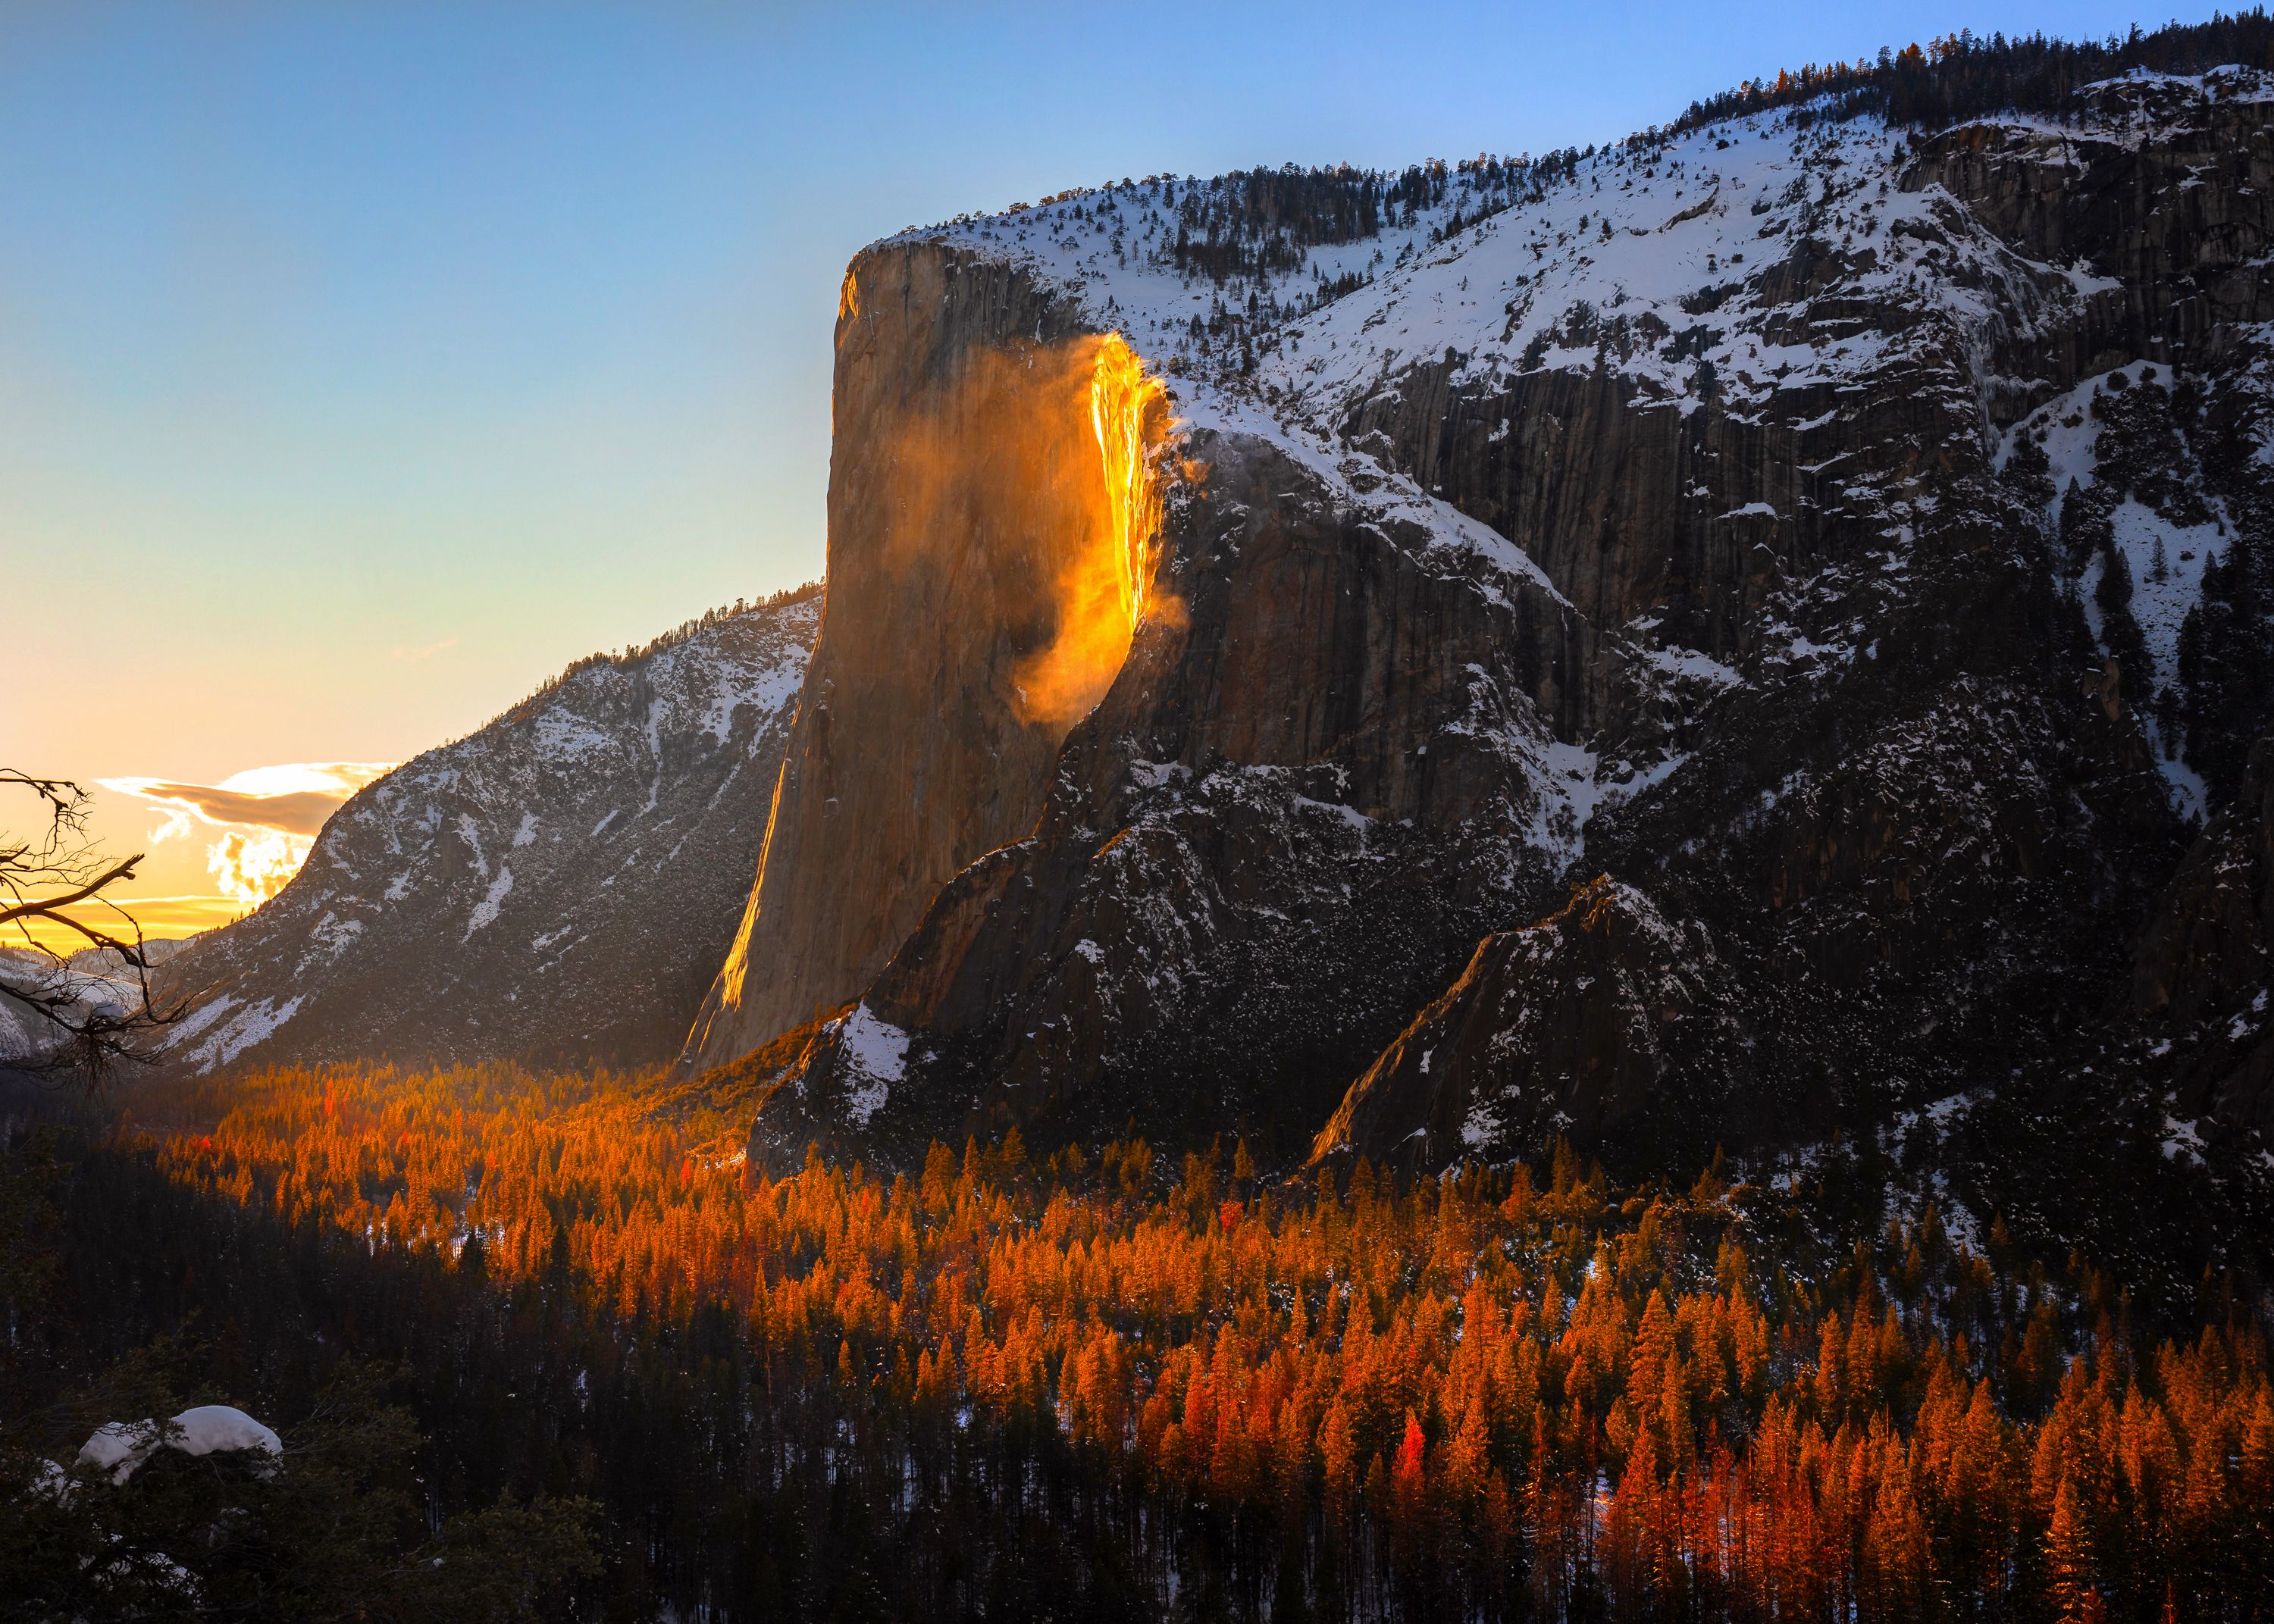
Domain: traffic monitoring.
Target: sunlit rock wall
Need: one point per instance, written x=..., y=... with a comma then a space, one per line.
x=987, y=514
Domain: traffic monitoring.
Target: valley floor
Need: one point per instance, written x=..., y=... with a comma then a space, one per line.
x=1100, y=1385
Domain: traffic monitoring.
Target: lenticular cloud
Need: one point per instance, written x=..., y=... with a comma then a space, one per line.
x=269, y=817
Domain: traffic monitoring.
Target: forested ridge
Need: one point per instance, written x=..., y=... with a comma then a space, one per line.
x=1249, y=222
x=1963, y=75
x=1098, y=1385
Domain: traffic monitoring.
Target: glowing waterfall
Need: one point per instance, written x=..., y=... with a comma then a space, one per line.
x=1122, y=400
x=1105, y=586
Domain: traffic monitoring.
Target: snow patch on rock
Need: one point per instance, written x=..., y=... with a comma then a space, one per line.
x=486, y=911
x=118, y=1448
x=876, y=1054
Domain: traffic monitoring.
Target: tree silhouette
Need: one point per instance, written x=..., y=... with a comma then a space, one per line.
x=76, y=1022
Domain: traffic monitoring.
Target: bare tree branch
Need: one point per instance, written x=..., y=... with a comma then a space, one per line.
x=51, y=907
x=42, y=877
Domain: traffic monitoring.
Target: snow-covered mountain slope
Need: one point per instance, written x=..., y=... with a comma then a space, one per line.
x=1696, y=511
x=94, y=978
x=556, y=886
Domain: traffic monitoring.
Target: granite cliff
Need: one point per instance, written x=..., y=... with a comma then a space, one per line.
x=967, y=508
x=1725, y=639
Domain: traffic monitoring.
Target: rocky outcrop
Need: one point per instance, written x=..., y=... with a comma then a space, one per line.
x=964, y=481
x=2163, y=186
x=558, y=886
x=1604, y=1023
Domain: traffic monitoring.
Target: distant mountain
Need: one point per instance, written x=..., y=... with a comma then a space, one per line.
x=93, y=977
x=557, y=886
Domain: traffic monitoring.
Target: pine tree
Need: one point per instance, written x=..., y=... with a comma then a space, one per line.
x=2069, y=1586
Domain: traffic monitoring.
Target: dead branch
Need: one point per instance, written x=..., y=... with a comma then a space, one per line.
x=86, y=1032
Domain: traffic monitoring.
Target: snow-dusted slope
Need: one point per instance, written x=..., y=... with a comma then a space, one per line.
x=557, y=885
x=1655, y=236
x=1695, y=510
x=1783, y=272
x=92, y=979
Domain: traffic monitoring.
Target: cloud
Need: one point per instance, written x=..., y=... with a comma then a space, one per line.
x=251, y=867
x=298, y=815
x=294, y=799
x=423, y=651
x=341, y=778
x=260, y=824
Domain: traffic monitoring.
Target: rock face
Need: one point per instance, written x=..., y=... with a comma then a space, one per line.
x=1939, y=854
x=556, y=887
x=2205, y=963
x=965, y=483
x=1601, y=1023
x=1850, y=541
x=1319, y=776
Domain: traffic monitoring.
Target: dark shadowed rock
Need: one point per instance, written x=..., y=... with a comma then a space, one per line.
x=2205, y=963
x=1604, y=1023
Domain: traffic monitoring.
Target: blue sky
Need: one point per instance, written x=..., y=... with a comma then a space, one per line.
x=362, y=365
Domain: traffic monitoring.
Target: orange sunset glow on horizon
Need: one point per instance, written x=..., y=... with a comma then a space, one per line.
x=214, y=852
